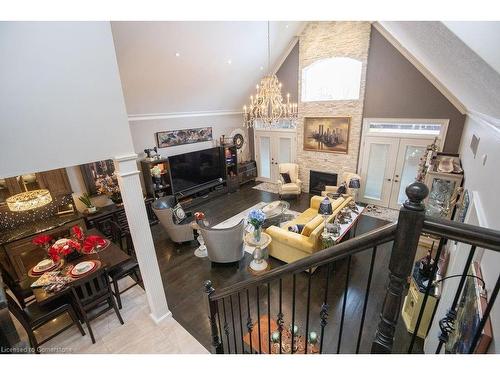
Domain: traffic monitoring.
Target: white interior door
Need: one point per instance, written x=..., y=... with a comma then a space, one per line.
x=409, y=153
x=271, y=149
x=377, y=169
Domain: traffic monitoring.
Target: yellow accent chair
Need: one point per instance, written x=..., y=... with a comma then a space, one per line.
x=290, y=246
x=346, y=177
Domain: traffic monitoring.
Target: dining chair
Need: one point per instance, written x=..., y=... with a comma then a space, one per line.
x=35, y=316
x=92, y=292
x=127, y=268
x=21, y=289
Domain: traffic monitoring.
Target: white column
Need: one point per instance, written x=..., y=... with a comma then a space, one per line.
x=133, y=200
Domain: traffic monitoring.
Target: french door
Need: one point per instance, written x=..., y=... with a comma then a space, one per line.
x=388, y=166
x=271, y=149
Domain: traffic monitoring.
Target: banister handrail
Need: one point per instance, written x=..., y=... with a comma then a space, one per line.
x=352, y=246
x=466, y=233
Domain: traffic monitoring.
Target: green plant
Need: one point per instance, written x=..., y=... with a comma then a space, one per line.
x=85, y=199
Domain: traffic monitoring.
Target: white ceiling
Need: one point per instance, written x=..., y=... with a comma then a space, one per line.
x=452, y=62
x=200, y=79
x=482, y=37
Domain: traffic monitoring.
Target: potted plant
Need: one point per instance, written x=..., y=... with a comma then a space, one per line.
x=85, y=199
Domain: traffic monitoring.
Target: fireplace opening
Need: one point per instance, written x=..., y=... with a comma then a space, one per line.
x=318, y=181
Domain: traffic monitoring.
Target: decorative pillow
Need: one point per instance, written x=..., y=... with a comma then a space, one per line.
x=179, y=213
x=312, y=225
x=286, y=177
x=296, y=228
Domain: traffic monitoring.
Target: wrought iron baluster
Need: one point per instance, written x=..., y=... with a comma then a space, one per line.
x=241, y=325
x=486, y=314
x=226, y=326
x=451, y=314
x=324, y=309
x=249, y=322
x=280, y=320
x=367, y=293
x=426, y=295
x=344, y=303
x=220, y=325
x=258, y=318
x=308, y=306
x=269, y=317
x=234, y=329
x=292, y=328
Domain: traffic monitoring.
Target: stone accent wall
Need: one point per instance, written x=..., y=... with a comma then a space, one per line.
x=321, y=40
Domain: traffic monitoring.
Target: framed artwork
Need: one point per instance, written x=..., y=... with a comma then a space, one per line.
x=92, y=172
x=327, y=134
x=469, y=313
x=172, y=138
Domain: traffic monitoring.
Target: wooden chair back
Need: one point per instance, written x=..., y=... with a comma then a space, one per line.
x=91, y=288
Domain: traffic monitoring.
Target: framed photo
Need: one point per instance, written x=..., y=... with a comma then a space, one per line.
x=327, y=134
x=91, y=172
x=172, y=138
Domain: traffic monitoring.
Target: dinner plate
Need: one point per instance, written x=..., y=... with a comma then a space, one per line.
x=44, y=266
x=37, y=272
x=82, y=268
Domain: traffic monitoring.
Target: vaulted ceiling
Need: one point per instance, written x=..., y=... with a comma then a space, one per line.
x=462, y=56
x=179, y=67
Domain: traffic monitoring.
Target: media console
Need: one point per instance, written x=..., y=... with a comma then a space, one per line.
x=201, y=193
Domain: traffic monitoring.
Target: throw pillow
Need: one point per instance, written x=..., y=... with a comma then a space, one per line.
x=179, y=213
x=312, y=225
x=296, y=228
x=286, y=177
x=342, y=189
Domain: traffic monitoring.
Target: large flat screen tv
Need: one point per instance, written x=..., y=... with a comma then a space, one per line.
x=195, y=168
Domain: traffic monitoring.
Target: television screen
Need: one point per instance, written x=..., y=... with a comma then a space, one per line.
x=195, y=168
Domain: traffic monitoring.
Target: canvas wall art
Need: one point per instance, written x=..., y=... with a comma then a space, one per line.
x=327, y=134
x=92, y=172
x=172, y=138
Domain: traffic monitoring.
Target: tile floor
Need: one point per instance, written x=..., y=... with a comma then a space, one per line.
x=138, y=335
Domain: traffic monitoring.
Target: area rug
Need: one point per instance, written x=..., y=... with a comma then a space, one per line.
x=382, y=213
x=232, y=221
x=267, y=186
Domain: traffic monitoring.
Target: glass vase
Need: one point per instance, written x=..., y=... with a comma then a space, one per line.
x=257, y=234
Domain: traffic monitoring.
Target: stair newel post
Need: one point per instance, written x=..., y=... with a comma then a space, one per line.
x=212, y=317
x=409, y=228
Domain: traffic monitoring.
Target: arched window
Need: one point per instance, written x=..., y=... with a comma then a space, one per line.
x=336, y=78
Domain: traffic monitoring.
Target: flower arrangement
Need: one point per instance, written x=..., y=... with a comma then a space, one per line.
x=156, y=171
x=77, y=243
x=108, y=185
x=257, y=218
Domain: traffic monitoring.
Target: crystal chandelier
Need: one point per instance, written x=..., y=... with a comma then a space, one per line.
x=267, y=107
x=29, y=200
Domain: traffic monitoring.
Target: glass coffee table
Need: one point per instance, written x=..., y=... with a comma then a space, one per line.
x=276, y=213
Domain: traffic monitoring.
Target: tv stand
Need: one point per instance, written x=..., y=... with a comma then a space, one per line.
x=202, y=193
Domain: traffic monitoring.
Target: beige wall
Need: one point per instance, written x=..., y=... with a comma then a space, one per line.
x=396, y=89
x=321, y=40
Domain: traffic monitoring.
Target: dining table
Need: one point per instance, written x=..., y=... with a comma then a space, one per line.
x=110, y=257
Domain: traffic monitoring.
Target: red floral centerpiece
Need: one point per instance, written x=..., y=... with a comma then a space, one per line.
x=77, y=244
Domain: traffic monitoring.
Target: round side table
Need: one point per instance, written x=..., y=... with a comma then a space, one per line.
x=258, y=264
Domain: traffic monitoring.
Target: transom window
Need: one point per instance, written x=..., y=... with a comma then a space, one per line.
x=405, y=128
x=336, y=78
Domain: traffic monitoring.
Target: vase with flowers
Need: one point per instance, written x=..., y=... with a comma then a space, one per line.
x=108, y=185
x=257, y=218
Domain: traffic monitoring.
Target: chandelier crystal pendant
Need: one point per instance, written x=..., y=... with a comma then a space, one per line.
x=29, y=200
x=268, y=107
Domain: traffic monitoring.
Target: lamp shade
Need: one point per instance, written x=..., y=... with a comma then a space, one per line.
x=354, y=183
x=325, y=207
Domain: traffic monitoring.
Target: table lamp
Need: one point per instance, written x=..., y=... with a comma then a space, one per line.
x=355, y=184
x=325, y=209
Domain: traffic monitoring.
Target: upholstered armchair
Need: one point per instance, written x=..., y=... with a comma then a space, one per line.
x=163, y=209
x=294, y=187
x=346, y=177
x=224, y=245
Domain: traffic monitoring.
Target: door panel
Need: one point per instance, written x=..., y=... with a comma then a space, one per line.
x=273, y=148
x=409, y=154
x=263, y=155
x=379, y=159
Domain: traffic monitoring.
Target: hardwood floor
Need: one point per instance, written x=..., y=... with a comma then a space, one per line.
x=183, y=276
